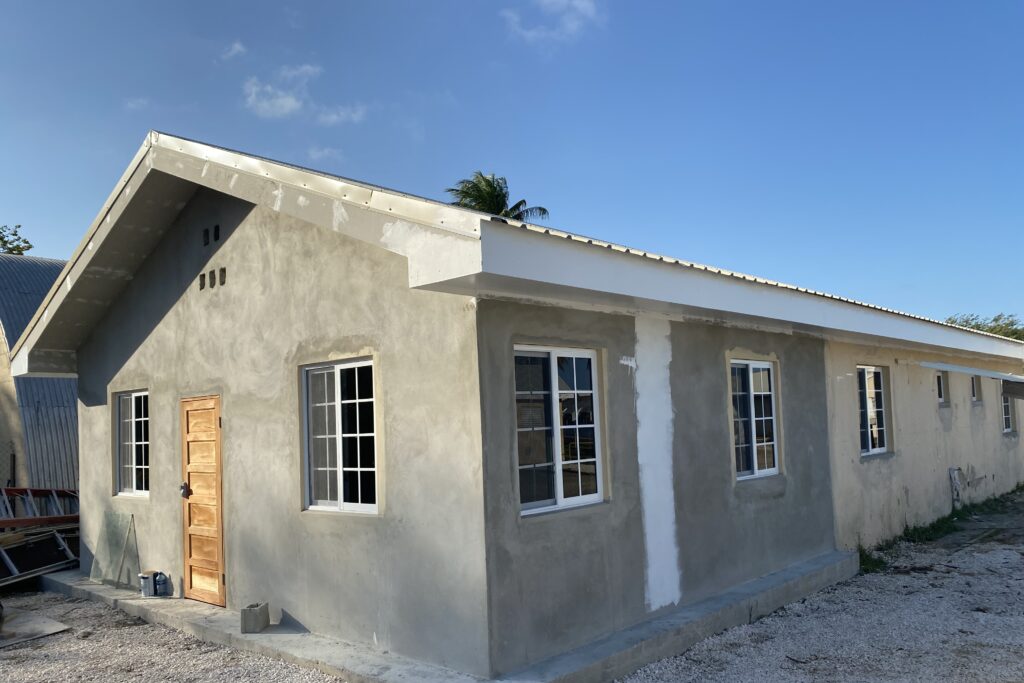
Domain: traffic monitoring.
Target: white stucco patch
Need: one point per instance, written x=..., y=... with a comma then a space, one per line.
x=340, y=215
x=654, y=451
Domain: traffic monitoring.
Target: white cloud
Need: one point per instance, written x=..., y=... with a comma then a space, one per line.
x=346, y=113
x=565, y=20
x=136, y=103
x=321, y=153
x=235, y=49
x=269, y=102
x=287, y=93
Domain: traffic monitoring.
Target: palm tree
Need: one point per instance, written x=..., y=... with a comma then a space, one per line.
x=489, y=194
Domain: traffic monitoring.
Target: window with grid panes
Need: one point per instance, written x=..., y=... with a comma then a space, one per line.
x=133, y=442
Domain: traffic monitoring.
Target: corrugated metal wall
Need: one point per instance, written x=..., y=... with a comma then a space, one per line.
x=48, y=407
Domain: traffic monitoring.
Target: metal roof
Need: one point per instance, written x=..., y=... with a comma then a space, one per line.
x=577, y=237
x=48, y=408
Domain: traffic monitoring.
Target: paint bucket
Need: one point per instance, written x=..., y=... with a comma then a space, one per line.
x=147, y=586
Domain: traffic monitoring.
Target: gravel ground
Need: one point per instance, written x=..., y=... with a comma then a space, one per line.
x=107, y=645
x=951, y=610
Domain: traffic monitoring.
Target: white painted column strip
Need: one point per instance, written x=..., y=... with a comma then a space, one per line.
x=655, y=416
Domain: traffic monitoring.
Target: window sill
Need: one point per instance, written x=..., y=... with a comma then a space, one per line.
x=1010, y=433
x=877, y=455
x=132, y=495
x=325, y=511
x=759, y=475
x=551, y=509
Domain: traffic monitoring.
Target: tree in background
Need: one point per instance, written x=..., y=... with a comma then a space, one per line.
x=489, y=194
x=11, y=241
x=1003, y=324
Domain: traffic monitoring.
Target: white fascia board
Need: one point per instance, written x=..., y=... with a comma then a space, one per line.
x=517, y=253
x=980, y=372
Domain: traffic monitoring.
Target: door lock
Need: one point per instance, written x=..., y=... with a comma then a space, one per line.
x=185, y=492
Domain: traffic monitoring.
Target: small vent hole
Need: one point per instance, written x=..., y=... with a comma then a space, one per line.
x=213, y=279
x=202, y=280
x=223, y=276
x=216, y=233
x=206, y=237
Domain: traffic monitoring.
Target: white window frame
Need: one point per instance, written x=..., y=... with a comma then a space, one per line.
x=773, y=375
x=1007, y=415
x=941, y=386
x=975, y=389
x=884, y=448
x=121, y=490
x=341, y=505
x=560, y=502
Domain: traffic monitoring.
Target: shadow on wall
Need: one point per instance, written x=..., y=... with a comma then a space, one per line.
x=183, y=254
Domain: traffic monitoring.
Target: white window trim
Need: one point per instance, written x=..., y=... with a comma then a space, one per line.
x=884, y=448
x=562, y=503
x=310, y=504
x=132, y=492
x=1006, y=415
x=753, y=428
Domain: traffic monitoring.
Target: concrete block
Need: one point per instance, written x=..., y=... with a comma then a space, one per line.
x=255, y=617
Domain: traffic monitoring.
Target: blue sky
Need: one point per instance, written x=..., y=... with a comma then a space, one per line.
x=871, y=149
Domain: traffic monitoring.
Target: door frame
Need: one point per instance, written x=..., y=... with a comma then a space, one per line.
x=218, y=460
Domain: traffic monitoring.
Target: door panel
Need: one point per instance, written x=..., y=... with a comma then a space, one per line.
x=202, y=514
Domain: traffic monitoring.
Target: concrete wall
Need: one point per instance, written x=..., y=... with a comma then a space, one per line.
x=562, y=578
x=877, y=496
x=409, y=580
x=13, y=463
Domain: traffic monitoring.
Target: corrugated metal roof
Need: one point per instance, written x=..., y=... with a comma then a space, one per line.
x=24, y=281
x=48, y=407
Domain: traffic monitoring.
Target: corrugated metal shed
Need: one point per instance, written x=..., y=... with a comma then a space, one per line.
x=48, y=407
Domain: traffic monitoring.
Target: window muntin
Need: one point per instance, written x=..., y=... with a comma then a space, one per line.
x=133, y=442
x=871, y=398
x=341, y=444
x=1008, y=421
x=557, y=429
x=755, y=442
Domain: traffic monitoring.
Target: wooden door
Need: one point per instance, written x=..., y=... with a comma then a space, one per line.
x=201, y=500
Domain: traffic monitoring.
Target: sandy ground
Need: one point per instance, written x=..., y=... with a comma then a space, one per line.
x=950, y=610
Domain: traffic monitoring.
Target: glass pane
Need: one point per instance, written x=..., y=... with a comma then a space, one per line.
x=533, y=372
x=142, y=455
x=367, y=487
x=760, y=380
x=570, y=481
x=533, y=411
x=127, y=484
x=584, y=376
x=588, y=478
x=318, y=452
x=739, y=379
x=330, y=392
x=366, y=453
x=366, y=417
x=566, y=380
x=567, y=408
x=534, y=447
x=348, y=384
x=348, y=418
x=321, y=487
x=139, y=435
x=145, y=412
x=740, y=406
x=536, y=484
x=126, y=432
x=744, y=459
x=140, y=409
x=142, y=479
x=317, y=388
x=350, y=486
x=124, y=408
x=585, y=409
x=765, y=457
x=145, y=430
x=865, y=444
x=364, y=381
x=127, y=456
x=586, y=442
x=349, y=451
x=569, y=451
x=318, y=415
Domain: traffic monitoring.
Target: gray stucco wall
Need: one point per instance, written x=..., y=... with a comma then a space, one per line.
x=411, y=579
x=563, y=578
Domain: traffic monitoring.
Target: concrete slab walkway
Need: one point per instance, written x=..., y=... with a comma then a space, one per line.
x=605, y=659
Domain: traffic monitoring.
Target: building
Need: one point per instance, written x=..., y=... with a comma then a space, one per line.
x=38, y=416
x=475, y=442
